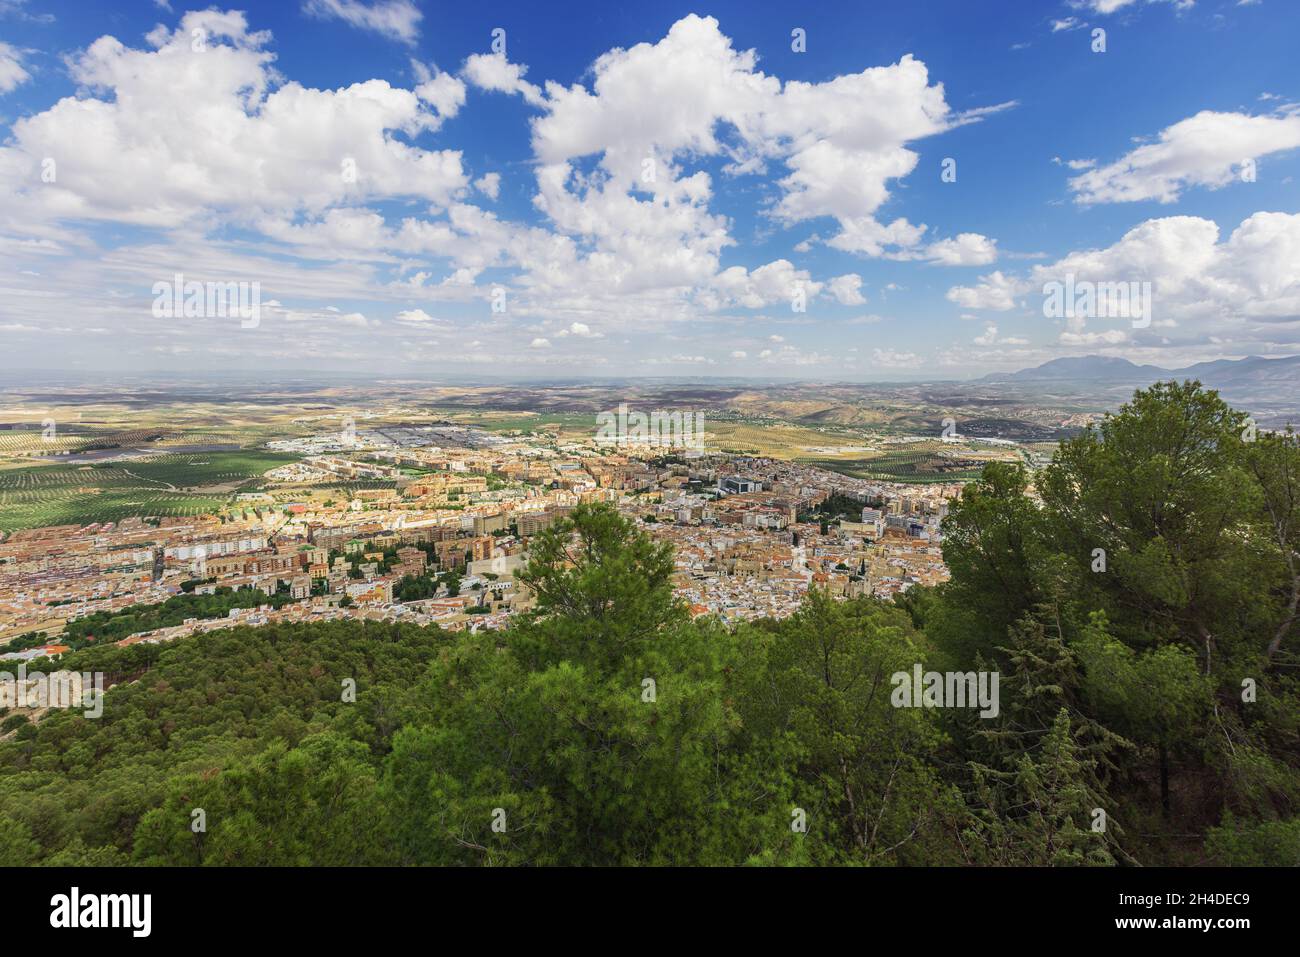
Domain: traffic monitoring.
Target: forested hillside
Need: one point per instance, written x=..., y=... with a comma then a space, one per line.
x=1139, y=604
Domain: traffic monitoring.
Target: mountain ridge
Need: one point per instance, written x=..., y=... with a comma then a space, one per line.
x=1114, y=367
x=1267, y=388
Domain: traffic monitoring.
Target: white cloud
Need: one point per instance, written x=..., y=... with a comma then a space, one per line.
x=581, y=330
x=492, y=71
x=994, y=291
x=395, y=19
x=989, y=337
x=444, y=92
x=184, y=134
x=489, y=184
x=329, y=315
x=867, y=237
x=692, y=94
x=1207, y=149
x=789, y=355
x=1247, y=284
x=1111, y=6
x=12, y=73
x=18, y=10
x=847, y=290
x=967, y=249
x=775, y=282
x=891, y=358
x=1075, y=164
x=418, y=317
x=1108, y=337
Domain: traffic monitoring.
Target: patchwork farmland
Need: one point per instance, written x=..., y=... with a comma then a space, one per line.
x=160, y=486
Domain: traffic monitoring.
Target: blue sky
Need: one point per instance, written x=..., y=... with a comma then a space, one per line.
x=652, y=190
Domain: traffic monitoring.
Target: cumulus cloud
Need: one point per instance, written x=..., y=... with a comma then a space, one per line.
x=1248, y=283
x=492, y=71
x=581, y=330
x=777, y=282
x=994, y=291
x=966, y=249
x=187, y=130
x=1209, y=149
x=847, y=290
x=444, y=92
x=692, y=94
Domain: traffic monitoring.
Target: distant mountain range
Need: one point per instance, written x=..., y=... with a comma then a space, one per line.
x=1253, y=369
x=1264, y=387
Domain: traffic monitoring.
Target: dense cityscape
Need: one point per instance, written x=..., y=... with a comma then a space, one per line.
x=750, y=536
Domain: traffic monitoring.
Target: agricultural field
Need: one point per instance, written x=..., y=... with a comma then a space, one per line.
x=168, y=485
x=923, y=464
x=779, y=439
x=773, y=439
x=25, y=447
x=203, y=470
x=29, y=443
x=565, y=424
x=205, y=437
x=41, y=443
x=738, y=435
